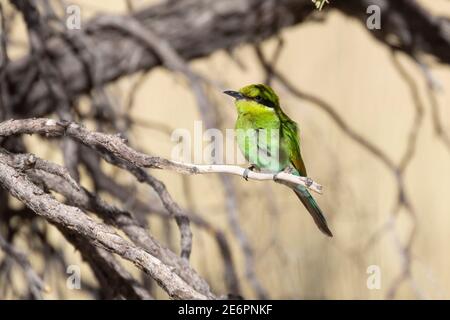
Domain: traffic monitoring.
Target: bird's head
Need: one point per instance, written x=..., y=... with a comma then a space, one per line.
x=256, y=94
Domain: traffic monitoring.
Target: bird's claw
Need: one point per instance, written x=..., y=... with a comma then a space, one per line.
x=288, y=170
x=247, y=171
x=275, y=176
x=309, y=182
x=245, y=175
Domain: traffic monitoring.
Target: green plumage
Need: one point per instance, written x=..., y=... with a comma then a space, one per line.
x=269, y=140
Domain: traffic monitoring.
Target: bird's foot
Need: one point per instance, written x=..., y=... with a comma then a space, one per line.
x=275, y=176
x=252, y=167
x=288, y=170
x=309, y=182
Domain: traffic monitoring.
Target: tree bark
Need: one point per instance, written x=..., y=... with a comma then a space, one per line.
x=197, y=28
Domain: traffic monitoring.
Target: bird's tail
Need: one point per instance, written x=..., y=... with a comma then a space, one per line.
x=311, y=205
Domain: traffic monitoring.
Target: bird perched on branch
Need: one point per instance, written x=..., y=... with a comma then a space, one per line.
x=269, y=140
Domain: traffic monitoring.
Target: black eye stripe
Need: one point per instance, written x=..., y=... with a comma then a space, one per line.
x=265, y=102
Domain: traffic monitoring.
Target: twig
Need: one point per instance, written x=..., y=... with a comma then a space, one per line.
x=4, y=92
x=167, y=54
x=104, y=183
x=35, y=283
x=402, y=199
x=169, y=204
x=116, y=147
x=30, y=161
x=397, y=171
x=177, y=22
x=247, y=251
x=124, y=220
x=175, y=62
x=114, y=279
x=100, y=235
x=331, y=112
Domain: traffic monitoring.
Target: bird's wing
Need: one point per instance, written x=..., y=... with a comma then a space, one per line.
x=291, y=138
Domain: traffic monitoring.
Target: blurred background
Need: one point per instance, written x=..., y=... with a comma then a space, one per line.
x=374, y=129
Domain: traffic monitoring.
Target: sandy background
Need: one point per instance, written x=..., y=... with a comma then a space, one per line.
x=338, y=62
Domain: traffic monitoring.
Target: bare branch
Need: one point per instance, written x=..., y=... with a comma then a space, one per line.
x=125, y=193
x=100, y=235
x=115, y=280
x=35, y=283
x=78, y=196
x=117, y=148
x=176, y=23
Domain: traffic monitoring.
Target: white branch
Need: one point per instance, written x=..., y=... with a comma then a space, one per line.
x=281, y=177
x=114, y=147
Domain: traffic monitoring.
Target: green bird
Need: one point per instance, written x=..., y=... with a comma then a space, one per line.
x=269, y=141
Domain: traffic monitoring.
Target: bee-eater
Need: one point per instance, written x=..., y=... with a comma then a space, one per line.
x=269, y=140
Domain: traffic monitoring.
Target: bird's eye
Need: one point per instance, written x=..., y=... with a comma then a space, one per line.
x=259, y=99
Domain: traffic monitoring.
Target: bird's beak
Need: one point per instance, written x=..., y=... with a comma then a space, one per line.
x=234, y=94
